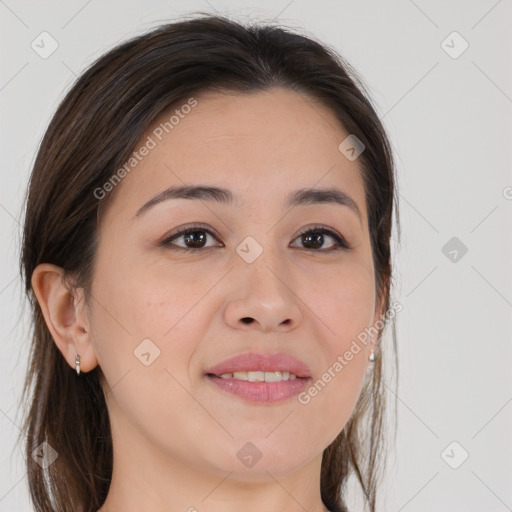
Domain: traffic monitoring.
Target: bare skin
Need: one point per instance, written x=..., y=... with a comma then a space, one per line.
x=176, y=435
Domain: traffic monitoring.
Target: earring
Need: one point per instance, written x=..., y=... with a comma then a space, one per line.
x=372, y=358
x=77, y=364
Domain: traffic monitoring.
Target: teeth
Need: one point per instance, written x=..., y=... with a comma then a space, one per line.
x=259, y=376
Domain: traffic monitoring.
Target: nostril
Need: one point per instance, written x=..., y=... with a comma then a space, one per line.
x=247, y=320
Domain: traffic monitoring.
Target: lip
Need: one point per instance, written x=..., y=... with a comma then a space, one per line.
x=252, y=361
x=261, y=392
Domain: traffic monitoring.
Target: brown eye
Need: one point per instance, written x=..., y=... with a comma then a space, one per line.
x=314, y=238
x=194, y=239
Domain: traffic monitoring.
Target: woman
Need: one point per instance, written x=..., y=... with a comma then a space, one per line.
x=207, y=254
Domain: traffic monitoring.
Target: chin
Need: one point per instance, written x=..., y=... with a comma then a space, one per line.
x=252, y=461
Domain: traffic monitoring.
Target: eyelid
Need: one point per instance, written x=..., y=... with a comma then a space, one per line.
x=182, y=230
x=341, y=241
x=190, y=227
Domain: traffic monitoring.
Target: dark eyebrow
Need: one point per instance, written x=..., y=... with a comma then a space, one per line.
x=301, y=197
x=306, y=196
x=204, y=193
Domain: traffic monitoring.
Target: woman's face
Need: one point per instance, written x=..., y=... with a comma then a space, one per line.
x=160, y=317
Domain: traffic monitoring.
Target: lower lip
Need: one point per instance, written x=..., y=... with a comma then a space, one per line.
x=261, y=392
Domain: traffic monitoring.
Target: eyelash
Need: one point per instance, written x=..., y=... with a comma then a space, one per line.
x=341, y=242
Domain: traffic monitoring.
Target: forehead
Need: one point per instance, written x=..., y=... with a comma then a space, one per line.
x=260, y=145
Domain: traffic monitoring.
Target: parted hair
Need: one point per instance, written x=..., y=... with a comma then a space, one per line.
x=91, y=135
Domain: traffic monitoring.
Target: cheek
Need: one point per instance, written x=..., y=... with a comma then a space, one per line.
x=343, y=298
x=133, y=306
x=345, y=305
x=138, y=302
x=146, y=300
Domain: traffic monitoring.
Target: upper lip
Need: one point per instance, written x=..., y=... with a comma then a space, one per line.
x=252, y=361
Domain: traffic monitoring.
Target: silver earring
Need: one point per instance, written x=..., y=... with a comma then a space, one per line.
x=77, y=364
x=372, y=357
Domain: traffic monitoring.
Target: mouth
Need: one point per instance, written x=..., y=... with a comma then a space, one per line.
x=252, y=365
x=259, y=392
x=260, y=378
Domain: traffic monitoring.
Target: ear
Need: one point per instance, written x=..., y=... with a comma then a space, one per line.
x=64, y=311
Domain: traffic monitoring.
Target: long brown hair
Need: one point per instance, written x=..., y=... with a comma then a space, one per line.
x=93, y=132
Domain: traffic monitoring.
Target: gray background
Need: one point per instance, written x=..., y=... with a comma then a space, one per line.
x=449, y=120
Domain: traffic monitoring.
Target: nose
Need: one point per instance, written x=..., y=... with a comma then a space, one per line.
x=263, y=297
